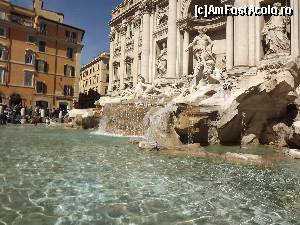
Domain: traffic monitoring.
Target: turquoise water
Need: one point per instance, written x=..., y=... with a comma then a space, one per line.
x=53, y=176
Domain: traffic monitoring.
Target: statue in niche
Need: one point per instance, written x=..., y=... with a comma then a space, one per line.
x=162, y=62
x=275, y=34
x=202, y=52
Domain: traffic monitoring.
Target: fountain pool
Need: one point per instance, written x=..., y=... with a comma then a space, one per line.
x=61, y=177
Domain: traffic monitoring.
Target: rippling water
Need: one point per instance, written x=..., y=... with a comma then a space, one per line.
x=52, y=176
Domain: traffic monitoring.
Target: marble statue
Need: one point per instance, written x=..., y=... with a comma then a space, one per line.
x=275, y=34
x=162, y=62
x=202, y=52
x=211, y=74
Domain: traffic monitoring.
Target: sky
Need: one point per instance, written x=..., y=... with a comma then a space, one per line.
x=92, y=16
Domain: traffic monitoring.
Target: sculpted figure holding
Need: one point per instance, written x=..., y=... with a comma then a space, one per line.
x=275, y=34
x=202, y=52
x=162, y=62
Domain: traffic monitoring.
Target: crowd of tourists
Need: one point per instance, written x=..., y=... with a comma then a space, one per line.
x=18, y=114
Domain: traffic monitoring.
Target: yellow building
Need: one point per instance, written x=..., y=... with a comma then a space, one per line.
x=39, y=57
x=95, y=75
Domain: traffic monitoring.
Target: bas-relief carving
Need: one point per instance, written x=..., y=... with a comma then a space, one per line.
x=276, y=36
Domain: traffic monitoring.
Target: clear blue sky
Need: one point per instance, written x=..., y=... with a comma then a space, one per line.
x=91, y=15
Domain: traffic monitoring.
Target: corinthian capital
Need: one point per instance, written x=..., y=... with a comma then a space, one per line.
x=185, y=24
x=146, y=6
x=186, y=27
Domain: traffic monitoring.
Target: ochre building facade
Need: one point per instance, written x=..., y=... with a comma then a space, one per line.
x=95, y=75
x=39, y=57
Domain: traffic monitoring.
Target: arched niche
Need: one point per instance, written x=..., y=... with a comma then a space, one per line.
x=15, y=99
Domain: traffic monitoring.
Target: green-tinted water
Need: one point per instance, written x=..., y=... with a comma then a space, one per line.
x=52, y=176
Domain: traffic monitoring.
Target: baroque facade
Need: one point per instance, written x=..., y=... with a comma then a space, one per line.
x=39, y=57
x=95, y=75
x=161, y=40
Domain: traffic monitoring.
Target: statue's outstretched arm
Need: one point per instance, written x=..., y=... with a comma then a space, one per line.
x=191, y=45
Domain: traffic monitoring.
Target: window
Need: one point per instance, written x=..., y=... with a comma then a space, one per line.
x=68, y=90
x=69, y=71
x=70, y=53
x=107, y=78
x=3, y=52
x=28, y=79
x=71, y=36
x=74, y=36
x=15, y=18
x=41, y=87
x=2, y=31
x=43, y=28
x=128, y=62
x=42, y=46
x=67, y=34
x=30, y=57
x=2, y=75
x=42, y=66
x=32, y=39
x=3, y=15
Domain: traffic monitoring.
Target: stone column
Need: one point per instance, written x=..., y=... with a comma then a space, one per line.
x=295, y=37
x=152, y=51
x=229, y=43
x=179, y=43
x=297, y=27
x=252, y=37
x=241, y=37
x=172, y=39
x=111, y=69
x=186, y=56
x=136, y=51
x=259, y=20
x=122, y=70
x=145, y=44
